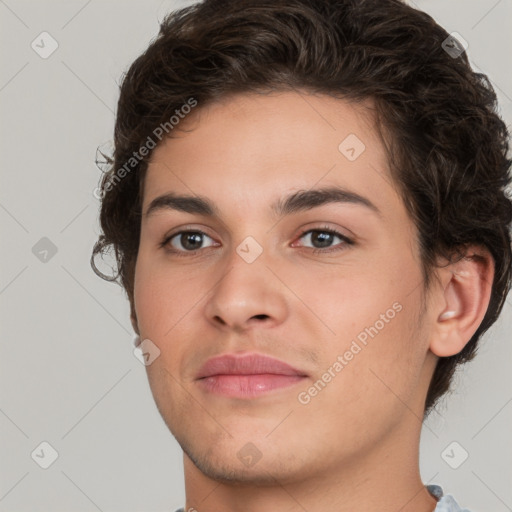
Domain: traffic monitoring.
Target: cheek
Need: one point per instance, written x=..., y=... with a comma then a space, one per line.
x=161, y=304
x=369, y=318
x=386, y=371
x=160, y=298
x=374, y=378
x=168, y=302
x=350, y=303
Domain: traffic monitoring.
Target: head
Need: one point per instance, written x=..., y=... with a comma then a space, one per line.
x=250, y=103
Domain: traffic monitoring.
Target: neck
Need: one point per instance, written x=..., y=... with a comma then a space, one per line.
x=385, y=479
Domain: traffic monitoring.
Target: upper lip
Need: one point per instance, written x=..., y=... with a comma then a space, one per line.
x=246, y=364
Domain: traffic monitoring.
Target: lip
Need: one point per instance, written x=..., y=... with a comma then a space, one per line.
x=247, y=375
x=246, y=364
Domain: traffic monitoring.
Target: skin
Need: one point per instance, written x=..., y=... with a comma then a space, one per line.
x=354, y=445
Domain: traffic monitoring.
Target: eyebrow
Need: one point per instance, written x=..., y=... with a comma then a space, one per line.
x=300, y=201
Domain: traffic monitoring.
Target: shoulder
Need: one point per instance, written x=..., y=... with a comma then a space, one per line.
x=445, y=503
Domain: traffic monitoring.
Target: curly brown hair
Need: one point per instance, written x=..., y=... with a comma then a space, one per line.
x=447, y=146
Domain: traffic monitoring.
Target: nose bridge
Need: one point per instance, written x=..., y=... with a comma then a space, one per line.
x=247, y=289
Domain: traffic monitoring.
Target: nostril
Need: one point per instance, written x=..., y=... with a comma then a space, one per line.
x=219, y=319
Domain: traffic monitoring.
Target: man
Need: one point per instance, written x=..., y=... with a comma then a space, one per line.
x=307, y=204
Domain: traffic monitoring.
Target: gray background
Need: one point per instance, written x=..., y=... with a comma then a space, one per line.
x=68, y=374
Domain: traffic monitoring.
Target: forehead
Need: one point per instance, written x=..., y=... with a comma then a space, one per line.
x=251, y=149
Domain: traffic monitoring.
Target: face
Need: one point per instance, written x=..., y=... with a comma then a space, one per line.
x=328, y=282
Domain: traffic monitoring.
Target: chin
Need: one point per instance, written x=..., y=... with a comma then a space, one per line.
x=239, y=462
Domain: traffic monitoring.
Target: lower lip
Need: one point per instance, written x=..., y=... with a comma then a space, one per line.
x=247, y=386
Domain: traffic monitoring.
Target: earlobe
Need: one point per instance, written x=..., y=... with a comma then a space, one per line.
x=464, y=299
x=448, y=340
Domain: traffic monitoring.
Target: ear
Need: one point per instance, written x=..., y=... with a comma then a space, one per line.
x=463, y=301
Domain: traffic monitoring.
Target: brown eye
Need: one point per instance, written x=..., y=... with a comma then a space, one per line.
x=185, y=241
x=323, y=238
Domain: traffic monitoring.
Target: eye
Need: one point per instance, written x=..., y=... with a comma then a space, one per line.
x=324, y=237
x=184, y=241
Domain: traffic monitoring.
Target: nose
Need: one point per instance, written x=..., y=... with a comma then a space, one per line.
x=247, y=295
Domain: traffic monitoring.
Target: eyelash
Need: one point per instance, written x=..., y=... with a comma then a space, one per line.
x=324, y=229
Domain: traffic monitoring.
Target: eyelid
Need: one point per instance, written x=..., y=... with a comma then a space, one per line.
x=186, y=228
x=347, y=240
x=181, y=230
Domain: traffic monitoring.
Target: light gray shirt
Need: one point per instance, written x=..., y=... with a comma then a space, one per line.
x=444, y=503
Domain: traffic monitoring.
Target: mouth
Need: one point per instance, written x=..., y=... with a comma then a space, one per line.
x=247, y=376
